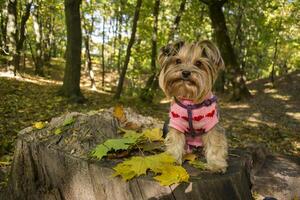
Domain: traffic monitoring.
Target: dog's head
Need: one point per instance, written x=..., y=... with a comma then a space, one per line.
x=189, y=70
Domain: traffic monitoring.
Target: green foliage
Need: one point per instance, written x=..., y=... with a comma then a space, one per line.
x=68, y=121
x=113, y=144
x=131, y=139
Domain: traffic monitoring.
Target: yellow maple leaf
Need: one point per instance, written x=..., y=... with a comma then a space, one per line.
x=39, y=125
x=154, y=134
x=136, y=166
x=171, y=174
x=162, y=164
x=119, y=113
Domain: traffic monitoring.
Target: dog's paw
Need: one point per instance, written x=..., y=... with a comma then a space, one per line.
x=217, y=168
x=177, y=156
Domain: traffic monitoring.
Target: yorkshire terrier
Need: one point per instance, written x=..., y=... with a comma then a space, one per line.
x=188, y=72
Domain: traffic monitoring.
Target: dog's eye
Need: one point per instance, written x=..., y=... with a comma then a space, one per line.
x=198, y=63
x=178, y=61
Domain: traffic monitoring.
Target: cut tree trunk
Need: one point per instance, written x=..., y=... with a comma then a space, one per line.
x=57, y=166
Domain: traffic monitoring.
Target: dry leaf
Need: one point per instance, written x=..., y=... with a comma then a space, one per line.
x=119, y=113
x=153, y=134
x=39, y=125
x=162, y=164
x=189, y=157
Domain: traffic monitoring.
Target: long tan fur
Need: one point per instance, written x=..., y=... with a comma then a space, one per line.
x=203, y=60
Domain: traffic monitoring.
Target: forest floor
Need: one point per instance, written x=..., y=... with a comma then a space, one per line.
x=271, y=116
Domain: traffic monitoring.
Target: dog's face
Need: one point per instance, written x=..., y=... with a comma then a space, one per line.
x=189, y=70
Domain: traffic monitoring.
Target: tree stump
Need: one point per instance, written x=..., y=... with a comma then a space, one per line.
x=57, y=166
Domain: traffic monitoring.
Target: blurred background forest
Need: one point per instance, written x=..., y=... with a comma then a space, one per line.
x=102, y=53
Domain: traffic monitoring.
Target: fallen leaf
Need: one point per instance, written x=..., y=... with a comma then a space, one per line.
x=153, y=134
x=189, y=157
x=58, y=131
x=68, y=121
x=198, y=164
x=151, y=146
x=113, y=144
x=119, y=113
x=162, y=164
x=172, y=174
x=131, y=134
x=100, y=151
x=39, y=125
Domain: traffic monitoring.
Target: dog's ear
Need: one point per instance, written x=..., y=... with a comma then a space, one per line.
x=168, y=51
x=211, y=51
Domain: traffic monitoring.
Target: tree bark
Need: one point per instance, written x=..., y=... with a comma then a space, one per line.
x=48, y=35
x=16, y=37
x=50, y=166
x=128, y=51
x=175, y=26
x=274, y=62
x=12, y=33
x=115, y=34
x=37, y=27
x=88, y=31
x=235, y=75
x=120, y=24
x=102, y=51
x=146, y=93
x=71, y=81
x=3, y=23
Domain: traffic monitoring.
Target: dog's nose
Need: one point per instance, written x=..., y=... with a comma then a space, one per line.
x=185, y=74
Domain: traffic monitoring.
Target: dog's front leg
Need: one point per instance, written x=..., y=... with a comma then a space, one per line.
x=216, y=149
x=175, y=143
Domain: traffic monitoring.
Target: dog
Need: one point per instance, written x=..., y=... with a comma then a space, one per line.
x=188, y=72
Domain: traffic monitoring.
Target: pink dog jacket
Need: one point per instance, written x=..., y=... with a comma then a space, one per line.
x=194, y=119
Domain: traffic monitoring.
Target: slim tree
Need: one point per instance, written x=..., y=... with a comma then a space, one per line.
x=177, y=19
x=71, y=81
x=3, y=26
x=88, y=27
x=15, y=34
x=12, y=30
x=37, y=27
x=147, y=93
x=128, y=51
x=102, y=50
x=235, y=75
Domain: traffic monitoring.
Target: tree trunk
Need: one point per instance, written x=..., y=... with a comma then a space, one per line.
x=146, y=93
x=3, y=23
x=128, y=51
x=234, y=74
x=16, y=37
x=37, y=27
x=88, y=32
x=12, y=33
x=50, y=166
x=71, y=81
x=120, y=25
x=102, y=52
x=115, y=34
x=272, y=74
x=22, y=37
x=175, y=25
x=48, y=34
